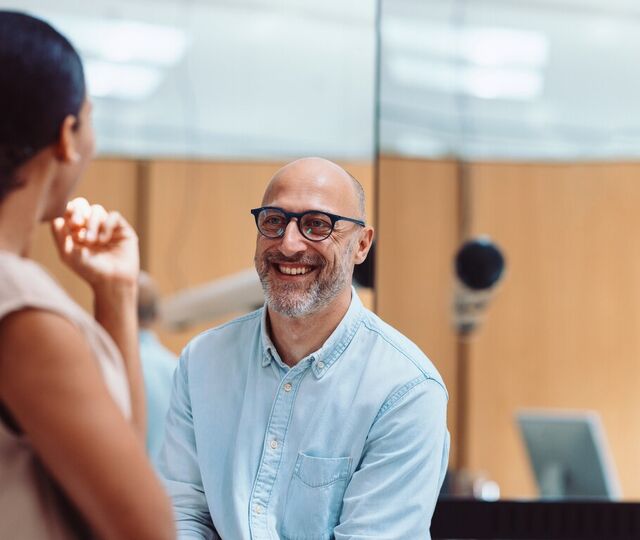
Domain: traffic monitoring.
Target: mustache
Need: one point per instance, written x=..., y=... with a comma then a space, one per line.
x=306, y=260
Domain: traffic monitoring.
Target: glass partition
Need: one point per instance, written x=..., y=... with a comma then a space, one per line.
x=510, y=80
x=516, y=123
x=231, y=80
x=196, y=105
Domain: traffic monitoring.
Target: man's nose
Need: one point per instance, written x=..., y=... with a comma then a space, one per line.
x=292, y=241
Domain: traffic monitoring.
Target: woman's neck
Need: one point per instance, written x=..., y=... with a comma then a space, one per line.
x=17, y=225
x=22, y=208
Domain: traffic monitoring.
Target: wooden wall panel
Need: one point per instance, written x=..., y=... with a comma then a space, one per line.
x=110, y=182
x=564, y=330
x=192, y=219
x=417, y=238
x=197, y=226
x=363, y=171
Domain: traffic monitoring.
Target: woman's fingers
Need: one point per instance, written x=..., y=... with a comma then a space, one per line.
x=109, y=226
x=87, y=224
x=62, y=236
x=78, y=211
x=58, y=228
x=94, y=223
x=76, y=215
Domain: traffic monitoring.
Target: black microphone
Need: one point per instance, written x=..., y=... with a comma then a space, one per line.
x=479, y=268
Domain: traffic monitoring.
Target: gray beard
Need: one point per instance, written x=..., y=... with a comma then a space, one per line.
x=291, y=300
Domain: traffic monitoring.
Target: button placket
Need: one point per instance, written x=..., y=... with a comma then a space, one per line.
x=272, y=453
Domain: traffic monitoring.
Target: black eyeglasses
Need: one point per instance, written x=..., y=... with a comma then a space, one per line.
x=314, y=225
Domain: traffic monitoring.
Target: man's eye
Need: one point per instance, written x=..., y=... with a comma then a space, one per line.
x=316, y=223
x=273, y=220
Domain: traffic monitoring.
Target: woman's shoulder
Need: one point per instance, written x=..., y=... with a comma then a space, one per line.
x=24, y=282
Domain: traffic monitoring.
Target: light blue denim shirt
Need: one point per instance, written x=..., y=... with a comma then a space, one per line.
x=350, y=443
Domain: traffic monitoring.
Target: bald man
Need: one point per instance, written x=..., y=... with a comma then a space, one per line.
x=310, y=418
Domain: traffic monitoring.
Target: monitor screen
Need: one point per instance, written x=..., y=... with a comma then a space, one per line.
x=568, y=454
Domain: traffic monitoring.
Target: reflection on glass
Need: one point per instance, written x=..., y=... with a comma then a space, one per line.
x=518, y=121
x=258, y=79
x=508, y=81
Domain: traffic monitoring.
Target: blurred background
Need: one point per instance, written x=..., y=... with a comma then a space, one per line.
x=515, y=121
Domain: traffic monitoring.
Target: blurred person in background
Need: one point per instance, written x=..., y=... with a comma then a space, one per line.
x=158, y=364
x=72, y=412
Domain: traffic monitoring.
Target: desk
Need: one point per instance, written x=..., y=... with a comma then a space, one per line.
x=535, y=520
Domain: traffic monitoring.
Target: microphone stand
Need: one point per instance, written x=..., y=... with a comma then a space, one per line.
x=462, y=403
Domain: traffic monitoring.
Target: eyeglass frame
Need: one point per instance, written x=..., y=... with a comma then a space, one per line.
x=298, y=215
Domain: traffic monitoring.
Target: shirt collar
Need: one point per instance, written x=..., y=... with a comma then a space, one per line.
x=269, y=351
x=322, y=359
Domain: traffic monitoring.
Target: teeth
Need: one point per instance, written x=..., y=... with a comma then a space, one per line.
x=294, y=270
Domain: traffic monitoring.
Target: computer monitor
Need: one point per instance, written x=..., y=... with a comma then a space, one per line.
x=569, y=454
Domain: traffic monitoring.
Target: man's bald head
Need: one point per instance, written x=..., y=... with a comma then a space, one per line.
x=319, y=175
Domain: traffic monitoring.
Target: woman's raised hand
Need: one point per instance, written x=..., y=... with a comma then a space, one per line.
x=98, y=245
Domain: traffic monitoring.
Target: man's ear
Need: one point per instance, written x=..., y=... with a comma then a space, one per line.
x=66, y=146
x=364, y=245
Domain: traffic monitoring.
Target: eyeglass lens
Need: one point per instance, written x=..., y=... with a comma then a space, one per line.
x=312, y=225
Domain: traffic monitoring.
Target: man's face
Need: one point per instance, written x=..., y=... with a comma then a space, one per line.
x=301, y=277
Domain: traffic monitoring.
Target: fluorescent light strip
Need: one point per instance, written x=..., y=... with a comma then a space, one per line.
x=126, y=41
x=481, y=82
x=121, y=81
x=483, y=46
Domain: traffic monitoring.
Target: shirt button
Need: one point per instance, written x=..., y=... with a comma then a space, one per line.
x=273, y=444
x=287, y=387
x=320, y=364
x=257, y=509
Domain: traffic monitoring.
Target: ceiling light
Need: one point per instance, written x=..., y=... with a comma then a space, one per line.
x=121, y=81
x=481, y=82
x=126, y=41
x=486, y=46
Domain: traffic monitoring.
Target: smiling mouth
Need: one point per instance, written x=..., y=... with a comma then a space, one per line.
x=291, y=270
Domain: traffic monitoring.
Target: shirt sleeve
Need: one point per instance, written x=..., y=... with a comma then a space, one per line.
x=178, y=463
x=393, y=492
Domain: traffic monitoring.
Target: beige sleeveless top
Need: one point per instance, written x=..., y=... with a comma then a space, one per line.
x=31, y=505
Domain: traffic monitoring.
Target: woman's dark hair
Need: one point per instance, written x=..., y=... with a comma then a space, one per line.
x=41, y=82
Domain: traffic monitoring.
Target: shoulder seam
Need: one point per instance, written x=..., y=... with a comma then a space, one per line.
x=397, y=348
x=395, y=398
x=425, y=374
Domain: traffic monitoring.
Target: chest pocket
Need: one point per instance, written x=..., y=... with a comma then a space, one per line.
x=314, y=499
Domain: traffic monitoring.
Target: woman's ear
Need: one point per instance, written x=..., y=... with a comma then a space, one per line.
x=66, y=147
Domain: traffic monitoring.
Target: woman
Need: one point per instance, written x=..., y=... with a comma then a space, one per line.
x=72, y=420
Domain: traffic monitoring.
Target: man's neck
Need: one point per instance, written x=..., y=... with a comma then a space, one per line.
x=295, y=338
